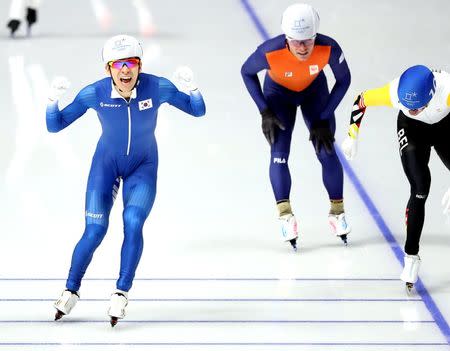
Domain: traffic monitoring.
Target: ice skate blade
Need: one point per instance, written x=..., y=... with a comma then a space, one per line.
x=59, y=315
x=114, y=321
x=293, y=243
x=409, y=288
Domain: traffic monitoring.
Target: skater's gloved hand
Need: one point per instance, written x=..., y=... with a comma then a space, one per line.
x=358, y=109
x=321, y=136
x=446, y=202
x=350, y=144
x=269, y=124
x=184, y=77
x=350, y=147
x=58, y=88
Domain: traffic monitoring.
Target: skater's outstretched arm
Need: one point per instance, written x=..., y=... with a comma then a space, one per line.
x=193, y=103
x=375, y=97
x=59, y=119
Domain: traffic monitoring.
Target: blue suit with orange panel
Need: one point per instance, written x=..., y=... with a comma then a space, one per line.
x=290, y=83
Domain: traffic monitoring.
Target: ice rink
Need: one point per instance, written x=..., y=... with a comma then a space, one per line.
x=215, y=274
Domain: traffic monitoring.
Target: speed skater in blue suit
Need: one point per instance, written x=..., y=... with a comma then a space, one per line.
x=127, y=105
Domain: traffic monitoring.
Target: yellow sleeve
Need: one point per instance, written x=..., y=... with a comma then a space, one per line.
x=379, y=96
x=448, y=100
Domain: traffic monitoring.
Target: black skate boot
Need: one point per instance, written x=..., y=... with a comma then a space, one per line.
x=31, y=19
x=13, y=26
x=344, y=239
x=293, y=243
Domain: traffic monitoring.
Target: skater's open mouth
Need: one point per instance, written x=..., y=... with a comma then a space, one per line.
x=125, y=80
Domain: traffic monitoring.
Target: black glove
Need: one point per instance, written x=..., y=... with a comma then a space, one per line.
x=269, y=123
x=321, y=135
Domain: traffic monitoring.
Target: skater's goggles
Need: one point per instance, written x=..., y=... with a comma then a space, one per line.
x=297, y=43
x=129, y=62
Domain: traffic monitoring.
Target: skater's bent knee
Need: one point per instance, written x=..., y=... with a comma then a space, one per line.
x=419, y=196
x=94, y=232
x=324, y=156
x=133, y=218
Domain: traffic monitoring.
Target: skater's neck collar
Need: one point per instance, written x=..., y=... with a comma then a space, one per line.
x=116, y=95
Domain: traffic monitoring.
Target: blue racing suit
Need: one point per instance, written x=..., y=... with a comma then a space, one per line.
x=126, y=150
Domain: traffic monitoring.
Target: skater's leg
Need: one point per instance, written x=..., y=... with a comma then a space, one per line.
x=101, y=189
x=415, y=148
x=139, y=191
x=280, y=177
x=145, y=18
x=16, y=14
x=332, y=172
x=33, y=3
x=415, y=155
x=98, y=207
x=17, y=9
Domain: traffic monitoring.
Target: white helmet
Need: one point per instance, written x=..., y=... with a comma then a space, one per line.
x=121, y=46
x=300, y=22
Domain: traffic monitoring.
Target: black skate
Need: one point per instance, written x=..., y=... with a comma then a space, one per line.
x=344, y=239
x=293, y=243
x=13, y=26
x=31, y=19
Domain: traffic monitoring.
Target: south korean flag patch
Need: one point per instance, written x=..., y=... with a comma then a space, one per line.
x=145, y=104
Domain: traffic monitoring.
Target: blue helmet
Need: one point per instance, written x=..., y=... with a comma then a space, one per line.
x=416, y=87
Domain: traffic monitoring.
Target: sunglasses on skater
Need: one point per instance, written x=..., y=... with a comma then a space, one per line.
x=129, y=62
x=297, y=43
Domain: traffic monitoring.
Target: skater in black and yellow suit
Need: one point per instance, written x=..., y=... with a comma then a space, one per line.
x=423, y=98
